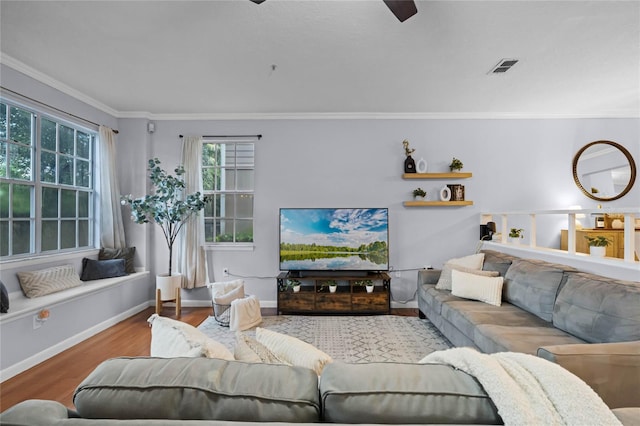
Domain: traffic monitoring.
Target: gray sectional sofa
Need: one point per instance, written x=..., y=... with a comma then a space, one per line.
x=587, y=323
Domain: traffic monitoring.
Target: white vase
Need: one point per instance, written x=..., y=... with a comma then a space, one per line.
x=514, y=240
x=369, y=288
x=597, y=251
x=421, y=166
x=445, y=193
x=333, y=288
x=296, y=289
x=167, y=284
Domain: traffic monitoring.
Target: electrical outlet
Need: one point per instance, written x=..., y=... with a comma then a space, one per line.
x=225, y=272
x=37, y=323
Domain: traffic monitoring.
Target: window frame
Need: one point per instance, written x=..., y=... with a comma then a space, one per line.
x=85, y=217
x=230, y=245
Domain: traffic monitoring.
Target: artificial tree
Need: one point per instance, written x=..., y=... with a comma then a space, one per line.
x=167, y=206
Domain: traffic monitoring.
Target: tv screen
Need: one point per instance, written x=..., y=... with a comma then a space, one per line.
x=323, y=239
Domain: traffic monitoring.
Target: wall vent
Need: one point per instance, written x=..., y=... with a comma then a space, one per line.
x=503, y=66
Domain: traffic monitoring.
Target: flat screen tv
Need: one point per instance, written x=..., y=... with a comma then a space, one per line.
x=326, y=239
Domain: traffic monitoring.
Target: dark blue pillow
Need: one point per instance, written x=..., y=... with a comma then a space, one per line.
x=98, y=269
x=4, y=299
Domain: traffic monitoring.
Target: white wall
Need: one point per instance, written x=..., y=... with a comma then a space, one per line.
x=516, y=165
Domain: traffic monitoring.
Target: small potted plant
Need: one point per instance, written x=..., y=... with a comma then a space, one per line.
x=368, y=284
x=456, y=165
x=515, y=234
x=598, y=245
x=419, y=192
x=293, y=284
x=333, y=286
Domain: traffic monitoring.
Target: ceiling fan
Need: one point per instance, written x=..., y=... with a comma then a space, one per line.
x=403, y=9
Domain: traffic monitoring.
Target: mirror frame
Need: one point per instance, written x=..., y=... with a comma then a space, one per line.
x=622, y=149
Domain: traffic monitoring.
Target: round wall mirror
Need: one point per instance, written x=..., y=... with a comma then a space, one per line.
x=604, y=170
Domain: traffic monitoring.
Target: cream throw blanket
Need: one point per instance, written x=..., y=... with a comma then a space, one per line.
x=528, y=390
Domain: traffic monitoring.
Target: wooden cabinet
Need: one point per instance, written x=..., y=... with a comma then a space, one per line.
x=615, y=249
x=349, y=298
x=453, y=175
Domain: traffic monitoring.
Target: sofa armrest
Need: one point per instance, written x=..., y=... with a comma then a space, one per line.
x=428, y=276
x=611, y=369
x=34, y=412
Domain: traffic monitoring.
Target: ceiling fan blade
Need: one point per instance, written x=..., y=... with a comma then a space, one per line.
x=403, y=9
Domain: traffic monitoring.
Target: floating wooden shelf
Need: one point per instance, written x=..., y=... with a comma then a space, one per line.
x=460, y=175
x=437, y=203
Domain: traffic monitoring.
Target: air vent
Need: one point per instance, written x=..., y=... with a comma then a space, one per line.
x=503, y=66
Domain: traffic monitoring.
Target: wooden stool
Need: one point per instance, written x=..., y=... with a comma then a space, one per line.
x=176, y=300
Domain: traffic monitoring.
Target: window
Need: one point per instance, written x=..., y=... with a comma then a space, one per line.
x=46, y=183
x=227, y=179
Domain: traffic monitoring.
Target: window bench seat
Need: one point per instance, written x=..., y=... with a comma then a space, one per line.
x=21, y=306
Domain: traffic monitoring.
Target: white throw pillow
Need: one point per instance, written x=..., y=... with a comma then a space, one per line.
x=293, y=351
x=476, y=287
x=172, y=339
x=249, y=349
x=471, y=264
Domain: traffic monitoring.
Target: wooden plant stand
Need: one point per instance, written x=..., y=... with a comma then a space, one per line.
x=177, y=301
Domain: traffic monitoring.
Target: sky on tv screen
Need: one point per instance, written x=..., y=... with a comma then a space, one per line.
x=338, y=227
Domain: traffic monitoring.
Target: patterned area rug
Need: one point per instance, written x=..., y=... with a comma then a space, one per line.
x=355, y=339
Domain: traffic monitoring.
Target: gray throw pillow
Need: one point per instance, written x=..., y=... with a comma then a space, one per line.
x=99, y=269
x=125, y=253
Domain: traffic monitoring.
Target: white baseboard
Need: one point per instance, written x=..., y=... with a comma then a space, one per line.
x=51, y=351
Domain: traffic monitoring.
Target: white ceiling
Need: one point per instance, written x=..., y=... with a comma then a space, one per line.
x=345, y=58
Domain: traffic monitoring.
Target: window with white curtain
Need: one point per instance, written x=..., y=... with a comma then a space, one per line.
x=46, y=183
x=228, y=182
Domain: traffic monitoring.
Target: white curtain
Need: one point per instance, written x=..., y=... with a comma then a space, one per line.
x=111, y=226
x=191, y=257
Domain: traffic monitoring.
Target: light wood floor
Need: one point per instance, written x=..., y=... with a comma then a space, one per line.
x=57, y=378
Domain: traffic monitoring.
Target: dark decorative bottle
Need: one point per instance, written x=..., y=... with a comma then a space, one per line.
x=409, y=165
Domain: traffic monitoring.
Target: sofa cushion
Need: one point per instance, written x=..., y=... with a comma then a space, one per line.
x=492, y=338
x=47, y=281
x=435, y=298
x=533, y=284
x=599, y=309
x=403, y=393
x=198, y=388
x=171, y=338
x=476, y=287
x=466, y=315
x=496, y=261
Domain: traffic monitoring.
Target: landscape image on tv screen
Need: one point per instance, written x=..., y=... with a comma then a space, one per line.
x=334, y=239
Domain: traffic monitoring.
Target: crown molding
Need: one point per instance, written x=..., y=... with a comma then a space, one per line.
x=49, y=81
x=19, y=66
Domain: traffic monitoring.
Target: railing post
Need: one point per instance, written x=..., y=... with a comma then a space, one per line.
x=629, y=237
x=532, y=234
x=571, y=234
